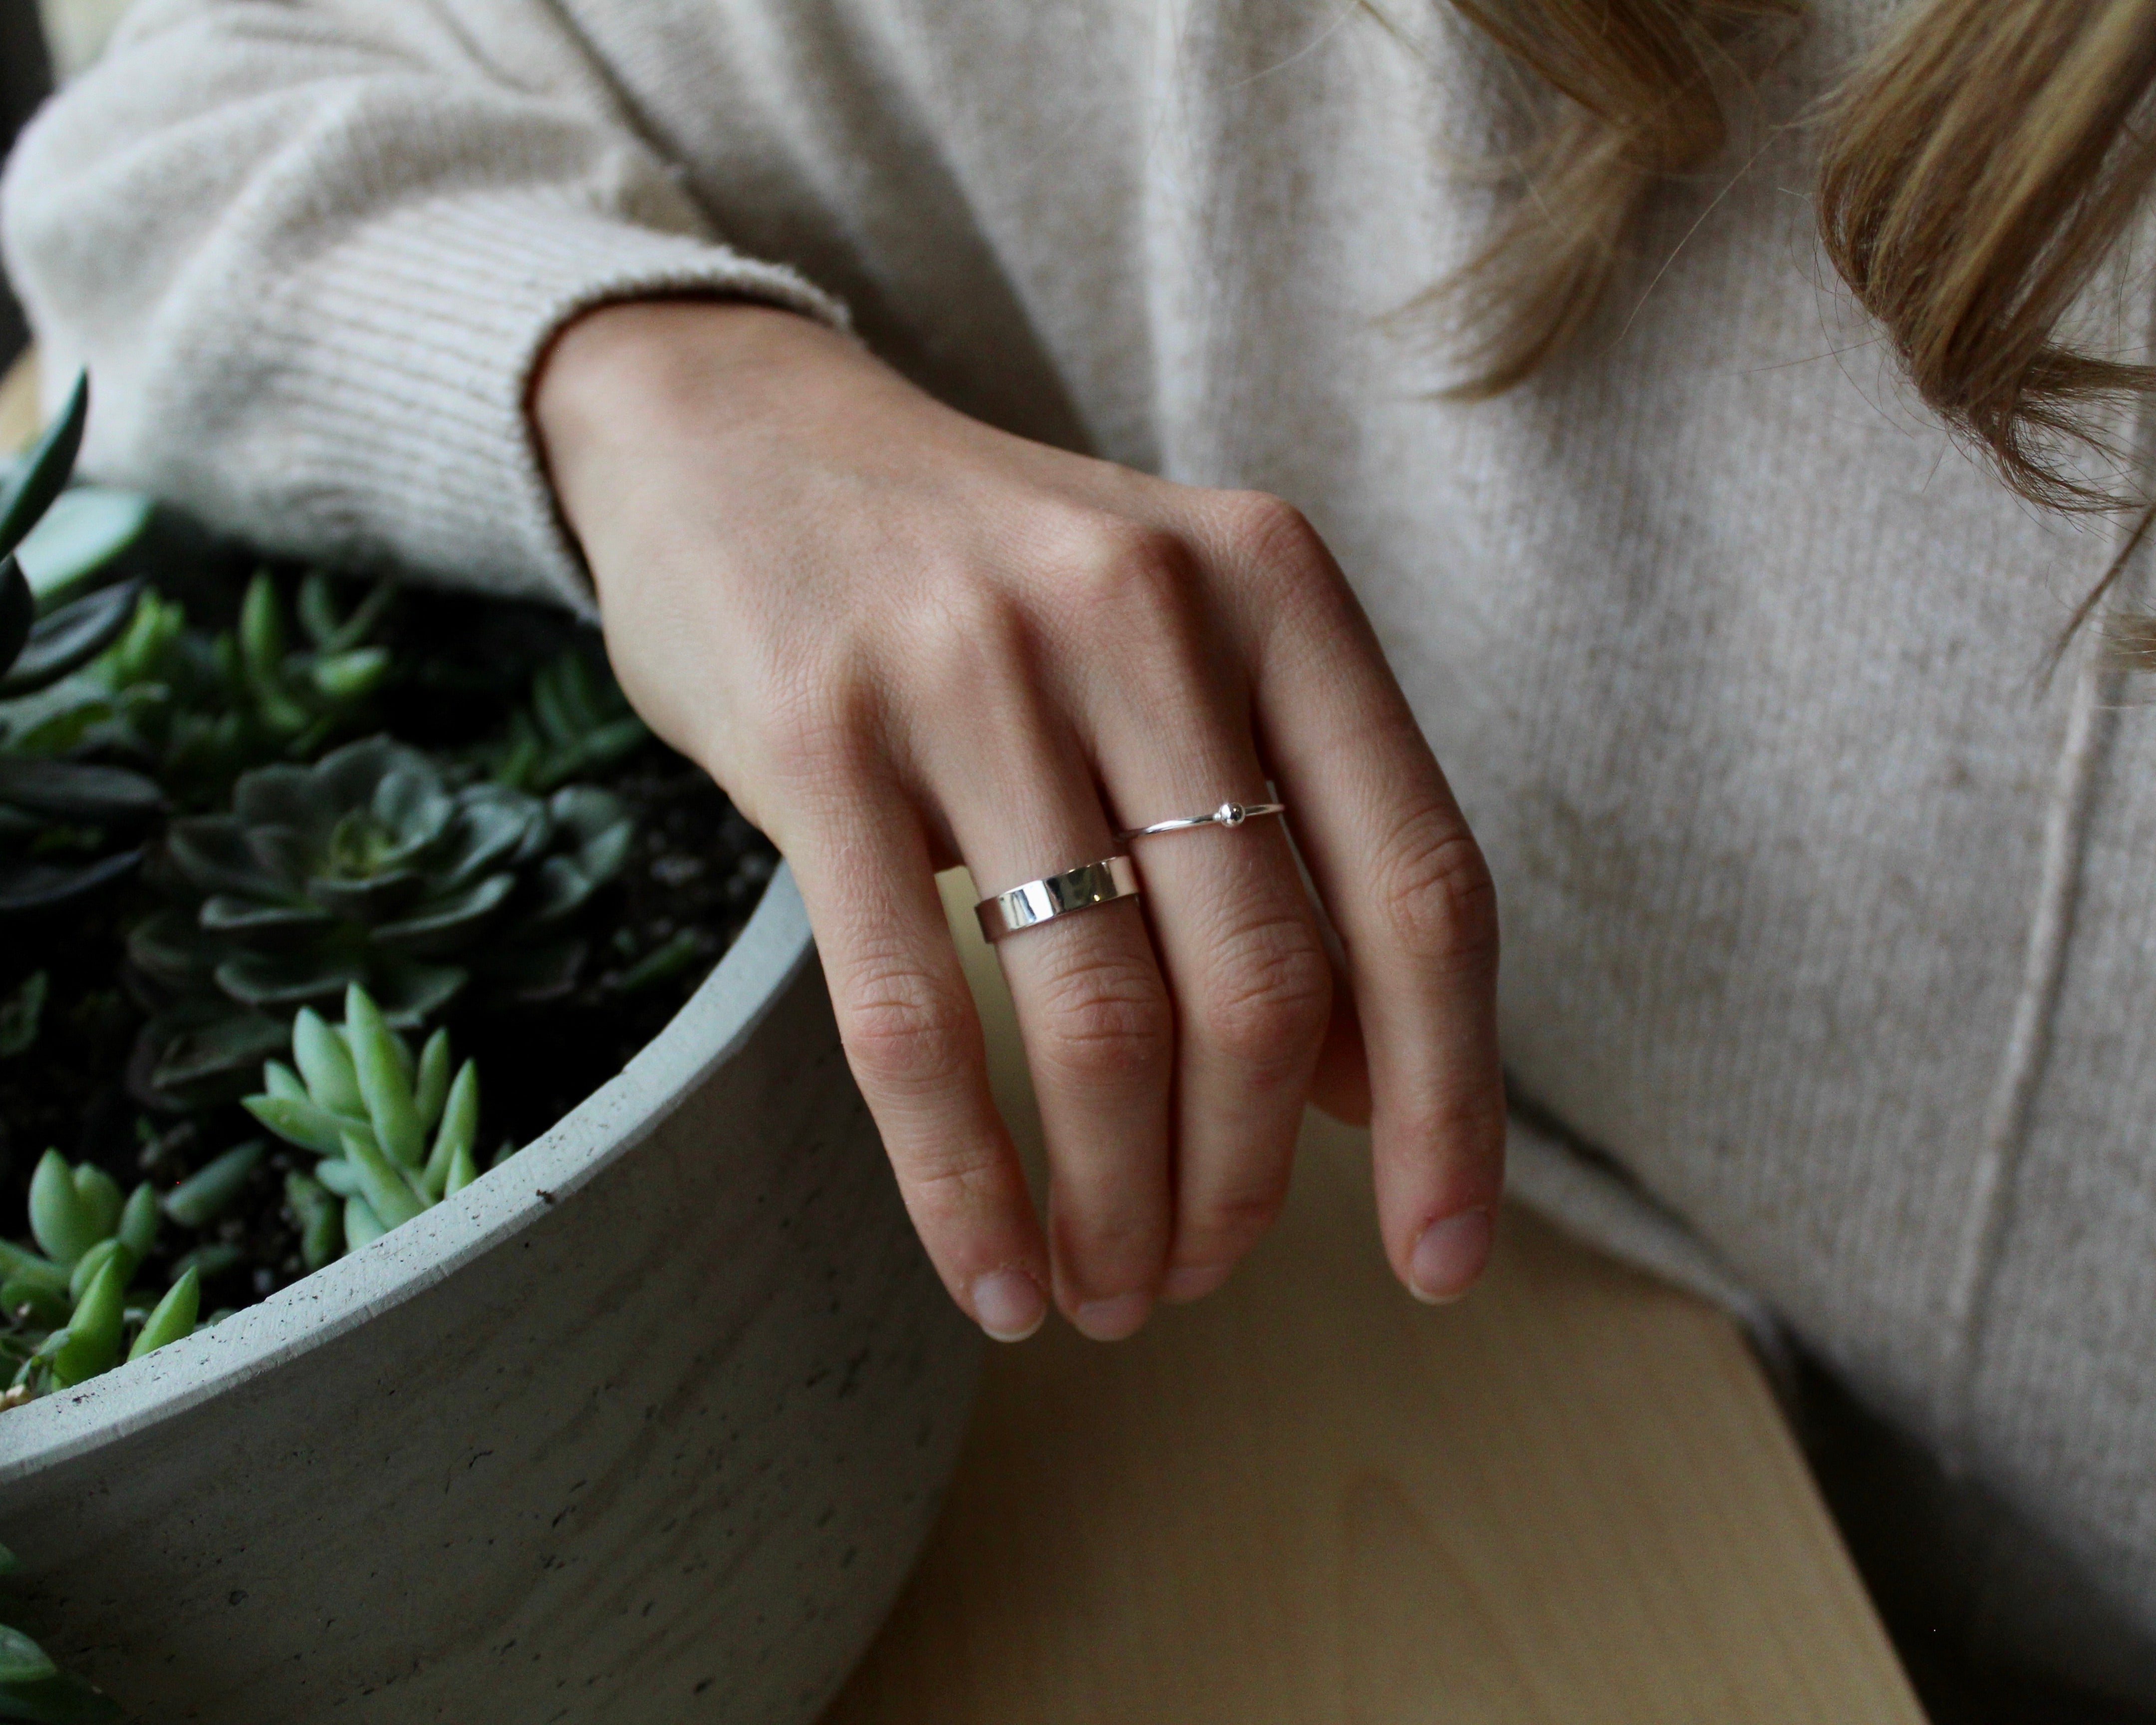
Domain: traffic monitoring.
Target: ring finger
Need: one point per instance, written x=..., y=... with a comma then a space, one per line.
x=1245, y=962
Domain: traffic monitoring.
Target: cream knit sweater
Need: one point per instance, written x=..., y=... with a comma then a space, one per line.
x=1828, y=980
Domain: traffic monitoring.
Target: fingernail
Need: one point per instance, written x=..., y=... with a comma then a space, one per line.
x=1449, y=1256
x=1008, y=1305
x=1112, y=1320
x=1180, y=1286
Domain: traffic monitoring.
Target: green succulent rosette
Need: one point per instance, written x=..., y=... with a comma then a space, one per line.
x=367, y=869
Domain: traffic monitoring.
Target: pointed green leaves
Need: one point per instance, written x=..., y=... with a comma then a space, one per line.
x=44, y=475
x=138, y=1221
x=92, y=1262
x=68, y=638
x=22, y=1659
x=172, y=1317
x=94, y=1330
x=64, y=1226
x=362, y=1226
x=391, y=1107
x=460, y=1129
x=387, y=1188
x=433, y=1080
x=325, y=1065
x=206, y=1193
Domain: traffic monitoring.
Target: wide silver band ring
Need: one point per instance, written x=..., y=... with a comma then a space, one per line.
x=1228, y=815
x=1079, y=889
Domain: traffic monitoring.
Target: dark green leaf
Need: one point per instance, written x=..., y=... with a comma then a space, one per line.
x=18, y=610
x=72, y=790
x=36, y=887
x=71, y=636
x=213, y=853
x=561, y=888
x=410, y=992
x=443, y=924
x=288, y=979
x=45, y=473
x=169, y=948
x=210, y=1061
x=22, y=1659
x=493, y=824
x=83, y=534
x=269, y=926
x=369, y=898
x=411, y=803
x=281, y=796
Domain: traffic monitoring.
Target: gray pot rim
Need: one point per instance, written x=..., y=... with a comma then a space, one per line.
x=609, y=1124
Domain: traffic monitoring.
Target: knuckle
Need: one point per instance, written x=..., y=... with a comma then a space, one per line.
x=1123, y=567
x=905, y=1030
x=1267, y=1006
x=1107, y=1022
x=1224, y=1225
x=1272, y=531
x=1434, y=893
x=1111, y=1232
x=977, y=630
x=816, y=726
x=946, y=1180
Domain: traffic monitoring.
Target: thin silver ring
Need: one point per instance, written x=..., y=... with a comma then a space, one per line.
x=1228, y=815
x=1037, y=901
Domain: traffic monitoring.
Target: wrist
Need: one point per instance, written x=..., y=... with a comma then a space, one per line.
x=628, y=373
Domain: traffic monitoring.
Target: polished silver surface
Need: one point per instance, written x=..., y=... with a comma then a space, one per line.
x=1079, y=889
x=1228, y=815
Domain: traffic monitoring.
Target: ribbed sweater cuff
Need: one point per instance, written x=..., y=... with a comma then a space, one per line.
x=413, y=372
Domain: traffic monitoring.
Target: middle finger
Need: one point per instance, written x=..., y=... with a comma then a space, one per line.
x=1092, y=1008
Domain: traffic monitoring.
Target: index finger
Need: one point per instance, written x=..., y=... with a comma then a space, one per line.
x=1404, y=884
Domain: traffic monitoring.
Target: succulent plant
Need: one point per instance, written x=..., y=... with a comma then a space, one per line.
x=366, y=868
x=363, y=1102
x=577, y=723
x=66, y=1300
x=201, y=709
x=66, y=827
x=34, y=1688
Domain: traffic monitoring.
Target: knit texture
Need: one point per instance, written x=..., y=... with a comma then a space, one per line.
x=1828, y=921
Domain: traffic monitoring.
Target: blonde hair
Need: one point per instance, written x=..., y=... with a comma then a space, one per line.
x=1977, y=168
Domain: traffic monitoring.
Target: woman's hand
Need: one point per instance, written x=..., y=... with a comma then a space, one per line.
x=899, y=640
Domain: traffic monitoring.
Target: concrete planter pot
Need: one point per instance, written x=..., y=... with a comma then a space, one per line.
x=647, y=1425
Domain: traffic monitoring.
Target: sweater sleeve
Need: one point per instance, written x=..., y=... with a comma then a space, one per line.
x=311, y=250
